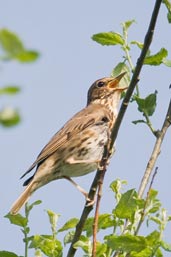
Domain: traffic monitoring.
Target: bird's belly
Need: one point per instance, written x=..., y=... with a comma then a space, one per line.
x=89, y=154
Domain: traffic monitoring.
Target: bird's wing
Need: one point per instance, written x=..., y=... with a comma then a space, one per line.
x=83, y=119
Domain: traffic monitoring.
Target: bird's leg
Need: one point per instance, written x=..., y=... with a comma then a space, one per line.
x=77, y=186
x=71, y=160
x=90, y=202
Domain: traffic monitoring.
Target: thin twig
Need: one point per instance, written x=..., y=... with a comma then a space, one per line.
x=95, y=224
x=134, y=80
x=146, y=202
x=135, y=77
x=155, y=152
x=99, y=195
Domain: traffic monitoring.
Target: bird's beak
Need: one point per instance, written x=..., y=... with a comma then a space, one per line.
x=114, y=83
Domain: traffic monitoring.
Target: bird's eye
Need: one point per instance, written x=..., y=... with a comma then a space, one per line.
x=100, y=84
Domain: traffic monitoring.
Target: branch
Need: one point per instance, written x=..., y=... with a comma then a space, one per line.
x=146, y=202
x=99, y=174
x=156, y=151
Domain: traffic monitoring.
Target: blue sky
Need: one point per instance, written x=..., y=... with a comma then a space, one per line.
x=55, y=87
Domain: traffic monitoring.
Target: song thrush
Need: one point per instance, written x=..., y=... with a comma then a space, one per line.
x=77, y=148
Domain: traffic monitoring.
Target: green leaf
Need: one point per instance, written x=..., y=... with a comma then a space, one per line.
x=153, y=204
x=167, y=62
x=127, y=24
x=10, y=90
x=144, y=253
x=53, y=218
x=137, y=43
x=69, y=237
x=108, y=38
x=158, y=253
x=168, y=6
x=9, y=117
x=147, y=105
x=85, y=244
x=18, y=220
x=7, y=254
x=27, y=56
x=101, y=249
x=153, y=239
x=169, y=16
x=29, y=207
x=157, y=58
x=69, y=224
x=166, y=246
x=138, y=121
x=14, y=48
x=116, y=188
x=104, y=221
x=50, y=247
x=117, y=185
x=119, y=68
x=10, y=42
x=127, y=243
x=127, y=205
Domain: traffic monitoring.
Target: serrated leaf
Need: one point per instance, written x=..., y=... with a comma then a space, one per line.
x=10, y=90
x=157, y=58
x=27, y=56
x=9, y=117
x=18, y=220
x=69, y=224
x=127, y=24
x=148, y=104
x=7, y=254
x=108, y=38
x=127, y=205
x=127, y=243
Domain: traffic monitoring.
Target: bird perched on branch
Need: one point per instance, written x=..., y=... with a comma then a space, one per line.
x=77, y=148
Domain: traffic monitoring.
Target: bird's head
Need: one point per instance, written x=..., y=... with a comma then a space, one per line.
x=104, y=89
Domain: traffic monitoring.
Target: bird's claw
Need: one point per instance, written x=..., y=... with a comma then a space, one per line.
x=89, y=202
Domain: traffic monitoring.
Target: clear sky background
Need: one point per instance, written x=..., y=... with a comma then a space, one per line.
x=55, y=87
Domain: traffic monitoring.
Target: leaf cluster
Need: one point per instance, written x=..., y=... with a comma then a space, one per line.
x=12, y=48
x=120, y=228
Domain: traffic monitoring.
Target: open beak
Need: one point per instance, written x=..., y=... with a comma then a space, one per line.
x=114, y=83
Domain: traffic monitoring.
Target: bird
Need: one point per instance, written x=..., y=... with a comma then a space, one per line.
x=77, y=148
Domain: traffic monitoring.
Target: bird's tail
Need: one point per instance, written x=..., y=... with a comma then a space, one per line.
x=23, y=198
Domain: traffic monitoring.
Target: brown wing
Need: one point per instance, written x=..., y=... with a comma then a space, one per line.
x=83, y=119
